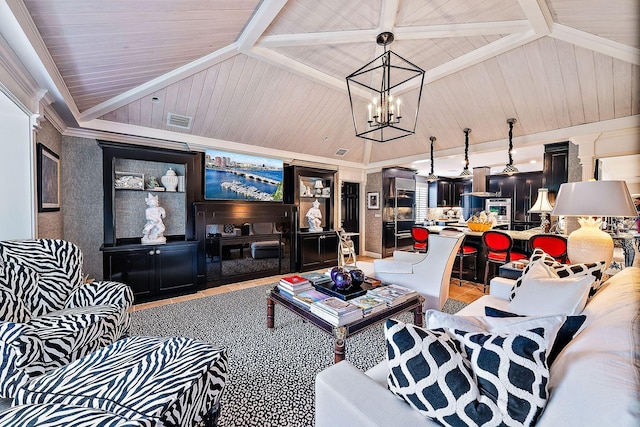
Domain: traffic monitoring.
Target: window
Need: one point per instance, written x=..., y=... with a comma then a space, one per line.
x=422, y=198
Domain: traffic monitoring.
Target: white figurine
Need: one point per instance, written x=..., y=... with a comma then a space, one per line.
x=152, y=233
x=314, y=217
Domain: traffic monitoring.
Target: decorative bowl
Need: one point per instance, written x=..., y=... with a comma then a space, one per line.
x=343, y=280
x=479, y=226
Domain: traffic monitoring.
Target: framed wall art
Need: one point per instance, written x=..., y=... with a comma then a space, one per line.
x=373, y=200
x=48, y=164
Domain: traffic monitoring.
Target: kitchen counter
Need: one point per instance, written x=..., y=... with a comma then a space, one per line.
x=515, y=235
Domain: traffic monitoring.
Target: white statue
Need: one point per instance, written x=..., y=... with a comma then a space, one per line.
x=314, y=217
x=152, y=233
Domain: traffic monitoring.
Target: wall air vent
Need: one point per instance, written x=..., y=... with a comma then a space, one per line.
x=341, y=152
x=176, y=120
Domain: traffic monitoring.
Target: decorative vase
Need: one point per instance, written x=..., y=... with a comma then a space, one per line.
x=170, y=180
x=589, y=243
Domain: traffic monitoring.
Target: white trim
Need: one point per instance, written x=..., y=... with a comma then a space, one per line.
x=260, y=21
x=538, y=15
x=461, y=30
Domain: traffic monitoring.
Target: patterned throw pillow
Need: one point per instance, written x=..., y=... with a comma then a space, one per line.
x=499, y=379
x=562, y=270
x=229, y=229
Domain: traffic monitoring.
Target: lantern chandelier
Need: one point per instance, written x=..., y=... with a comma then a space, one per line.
x=509, y=168
x=431, y=177
x=466, y=173
x=386, y=77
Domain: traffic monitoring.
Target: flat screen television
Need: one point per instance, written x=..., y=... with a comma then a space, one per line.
x=234, y=176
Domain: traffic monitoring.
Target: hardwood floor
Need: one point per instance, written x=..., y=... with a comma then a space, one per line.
x=468, y=292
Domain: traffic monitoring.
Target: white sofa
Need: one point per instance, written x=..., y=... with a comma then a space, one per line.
x=593, y=382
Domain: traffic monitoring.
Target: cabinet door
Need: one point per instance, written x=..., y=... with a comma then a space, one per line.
x=135, y=268
x=310, y=251
x=329, y=248
x=175, y=266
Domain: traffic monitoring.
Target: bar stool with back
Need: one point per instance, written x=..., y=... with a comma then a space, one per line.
x=465, y=251
x=420, y=237
x=499, y=251
x=554, y=245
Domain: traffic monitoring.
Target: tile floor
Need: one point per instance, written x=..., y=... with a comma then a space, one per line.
x=468, y=292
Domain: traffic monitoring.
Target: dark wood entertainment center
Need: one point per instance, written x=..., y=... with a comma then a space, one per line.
x=198, y=253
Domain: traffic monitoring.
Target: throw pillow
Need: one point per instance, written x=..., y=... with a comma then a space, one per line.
x=503, y=382
x=566, y=333
x=542, y=294
x=12, y=308
x=262, y=228
x=562, y=270
x=229, y=229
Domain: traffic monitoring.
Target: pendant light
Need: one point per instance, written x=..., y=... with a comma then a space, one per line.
x=509, y=168
x=431, y=177
x=466, y=173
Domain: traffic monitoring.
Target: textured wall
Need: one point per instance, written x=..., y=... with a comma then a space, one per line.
x=50, y=224
x=82, y=199
x=373, y=217
x=575, y=168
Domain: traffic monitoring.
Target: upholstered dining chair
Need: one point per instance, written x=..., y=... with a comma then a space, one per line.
x=499, y=251
x=553, y=244
x=420, y=237
x=465, y=251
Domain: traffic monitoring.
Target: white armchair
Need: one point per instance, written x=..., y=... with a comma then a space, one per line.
x=429, y=273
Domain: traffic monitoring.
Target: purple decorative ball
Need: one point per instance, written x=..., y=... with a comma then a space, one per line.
x=334, y=271
x=343, y=280
x=357, y=276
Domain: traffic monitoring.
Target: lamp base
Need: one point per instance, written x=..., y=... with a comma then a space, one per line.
x=589, y=243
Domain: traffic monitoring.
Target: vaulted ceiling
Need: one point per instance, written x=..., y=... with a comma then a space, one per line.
x=269, y=76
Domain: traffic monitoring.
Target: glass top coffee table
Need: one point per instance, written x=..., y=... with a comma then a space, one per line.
x=341, y=333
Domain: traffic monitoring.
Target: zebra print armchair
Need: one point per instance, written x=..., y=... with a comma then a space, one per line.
x=49, y=317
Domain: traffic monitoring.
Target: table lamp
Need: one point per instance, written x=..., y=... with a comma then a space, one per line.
x=543, y=207
x=590, y=199
x=318, y=186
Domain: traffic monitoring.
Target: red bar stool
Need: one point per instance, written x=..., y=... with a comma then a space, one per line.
x=465, y=252
x=553, y=244
x=420, y=238
x=499, y=251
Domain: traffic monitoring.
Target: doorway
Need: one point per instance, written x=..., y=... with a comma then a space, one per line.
x=351, y=210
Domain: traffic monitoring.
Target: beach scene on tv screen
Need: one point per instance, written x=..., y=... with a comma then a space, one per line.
x=233, y=176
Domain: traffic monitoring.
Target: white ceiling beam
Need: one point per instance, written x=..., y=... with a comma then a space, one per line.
x=263, y=17
x=160, y=82
x=366, y=152
x=596, y=43
x=312, y=39
x=461, y=30
x=388, y=15
x=538, y=15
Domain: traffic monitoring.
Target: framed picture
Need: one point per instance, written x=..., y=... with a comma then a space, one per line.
x=48, y=164
x=373, y=200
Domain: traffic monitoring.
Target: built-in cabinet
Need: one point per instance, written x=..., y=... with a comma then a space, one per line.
x=131, y=174
x=303, y=187
x=556, y=167
x=447, y=192
x=522, y=189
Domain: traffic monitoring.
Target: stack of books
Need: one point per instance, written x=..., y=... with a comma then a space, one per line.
x=392, y=294
x=293, y=285
x=369, y=304
x=307, y=298
x=317, y=279
x=336, y=311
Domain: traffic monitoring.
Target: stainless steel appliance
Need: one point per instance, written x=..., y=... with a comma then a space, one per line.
x=502, y=208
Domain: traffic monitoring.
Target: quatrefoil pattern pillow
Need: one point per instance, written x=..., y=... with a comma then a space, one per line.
x=562, y=270
x=469, y=378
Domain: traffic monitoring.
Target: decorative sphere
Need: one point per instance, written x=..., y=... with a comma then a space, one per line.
x=343, y=280
x=334, y=271
x=357, y=276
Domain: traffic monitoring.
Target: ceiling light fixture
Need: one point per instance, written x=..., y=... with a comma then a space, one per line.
x=466, y=173
x=509, y=168
x=387, y=76
x=431, y=177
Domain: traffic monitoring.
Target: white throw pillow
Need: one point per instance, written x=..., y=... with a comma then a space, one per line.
x=543, y=293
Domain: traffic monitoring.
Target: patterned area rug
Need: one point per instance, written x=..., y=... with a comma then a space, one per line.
x=272, y=372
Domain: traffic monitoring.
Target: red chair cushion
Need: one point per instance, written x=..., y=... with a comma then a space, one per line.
x=497, y=241
x=497, y=256
x=418, y=245
x=515, y=256
x=552, y=246
x=468, y=250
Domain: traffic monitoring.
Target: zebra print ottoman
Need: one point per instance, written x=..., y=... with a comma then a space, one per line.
x=165, y=381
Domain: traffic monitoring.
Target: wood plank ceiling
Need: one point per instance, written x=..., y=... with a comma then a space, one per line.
x=269, y=75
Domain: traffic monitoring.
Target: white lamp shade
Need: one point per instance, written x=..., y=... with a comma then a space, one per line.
x=542, y=204
x=594, y=198
x=318, y=184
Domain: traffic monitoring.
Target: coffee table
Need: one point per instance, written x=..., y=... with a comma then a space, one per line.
x=341, y=333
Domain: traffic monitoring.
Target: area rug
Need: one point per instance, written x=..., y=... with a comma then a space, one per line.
x=272, y=371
